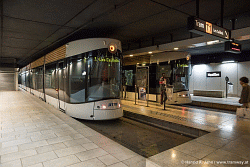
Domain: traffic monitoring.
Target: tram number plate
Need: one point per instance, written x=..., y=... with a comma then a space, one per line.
x=112, y=104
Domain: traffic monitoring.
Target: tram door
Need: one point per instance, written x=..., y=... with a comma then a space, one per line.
x=142, y=82
x=61, y=77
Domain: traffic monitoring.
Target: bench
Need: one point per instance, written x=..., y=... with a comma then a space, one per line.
x=209, y=93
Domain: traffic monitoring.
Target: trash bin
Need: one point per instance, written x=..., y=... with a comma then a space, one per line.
x=230, y=88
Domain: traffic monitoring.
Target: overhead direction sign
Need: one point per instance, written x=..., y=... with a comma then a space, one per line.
x=202, y=27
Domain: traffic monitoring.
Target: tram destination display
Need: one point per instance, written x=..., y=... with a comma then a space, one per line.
x=232, y=47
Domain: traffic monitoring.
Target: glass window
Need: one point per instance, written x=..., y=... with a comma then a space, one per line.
x=32, y=79
x=51, y=80
x=180, y=82
x=77, y=75
x=103, y=75
x=27, y=78
x=19, y=78
x=23, y=78
x=38, y=77
x=129, y=77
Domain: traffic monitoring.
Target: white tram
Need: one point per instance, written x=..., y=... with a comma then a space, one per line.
x=81, y=78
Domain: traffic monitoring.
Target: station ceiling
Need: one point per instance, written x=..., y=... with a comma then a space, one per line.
x=32, y=28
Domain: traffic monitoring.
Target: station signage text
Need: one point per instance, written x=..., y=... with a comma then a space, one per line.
x=214, y=74
x=199, y=26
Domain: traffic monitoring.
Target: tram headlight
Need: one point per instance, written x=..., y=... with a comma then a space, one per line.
x=183, y=95
x=104, y=107
x=119, y=105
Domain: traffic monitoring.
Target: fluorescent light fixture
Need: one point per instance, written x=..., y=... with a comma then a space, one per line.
x=131, y=55
x=200, y=67
x=213, y=42
x=200, y=44
x=150, y=52
x=176, y=48
x=231, y=61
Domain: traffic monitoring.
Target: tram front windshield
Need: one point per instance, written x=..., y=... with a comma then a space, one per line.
x=95, y=76
x=104, y=75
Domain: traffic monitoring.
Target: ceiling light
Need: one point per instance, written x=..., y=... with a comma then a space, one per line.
x=213, y=42
x=150, y=52
x=200, y=44
x=131, y=55
x=231, y=61
x=176, y=48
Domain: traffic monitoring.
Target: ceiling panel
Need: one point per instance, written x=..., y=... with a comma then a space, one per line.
x=19, y=43
x=153, y=25
x=14, y=52
x=29, y=27
x=98, y=9
x=18, y=34
x=47, y=11
x=59, y=34
x=233, y=7
x=173, y=4
x=35, y=27
x=125, y=13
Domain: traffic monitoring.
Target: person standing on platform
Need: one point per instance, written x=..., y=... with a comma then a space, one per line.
x=245, y=94
x=163, y=82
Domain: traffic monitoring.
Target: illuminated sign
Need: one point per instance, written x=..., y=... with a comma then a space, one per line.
x=232, y=47
x=201, y=27
x=109, y=60
x=214, y=74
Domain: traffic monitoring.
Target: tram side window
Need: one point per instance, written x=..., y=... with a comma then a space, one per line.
x=31, y=79
x=23, y=79
x=50, y=80
x=38, y=78
x=77, y=73
x=19, y=79
x=27, y=79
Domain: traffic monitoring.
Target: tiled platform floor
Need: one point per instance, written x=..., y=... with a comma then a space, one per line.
x=35, y=134
x=228, y=142
x=229, y=100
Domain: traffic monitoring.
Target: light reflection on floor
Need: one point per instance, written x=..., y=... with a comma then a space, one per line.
x=208, y=120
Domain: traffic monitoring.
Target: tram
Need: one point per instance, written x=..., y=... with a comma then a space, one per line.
x=142, y=79
x=81, y=78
